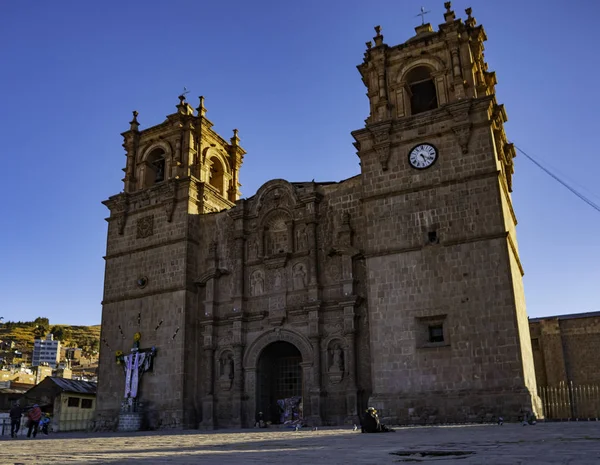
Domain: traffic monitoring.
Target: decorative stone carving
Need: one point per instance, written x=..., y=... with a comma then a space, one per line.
x=257, y=283
x=226, y=371
x=299, y=276
x=463, y=134
x=301, y=239
x=334, y=270
x=382, y=143
x=253, y=249
x=336, y=361
x=278, y=279
x=145, y=227
x=120, y=209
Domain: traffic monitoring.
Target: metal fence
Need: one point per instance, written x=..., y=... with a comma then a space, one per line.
x=570, y=402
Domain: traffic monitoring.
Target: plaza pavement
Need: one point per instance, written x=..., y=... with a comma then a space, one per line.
x=545, y=443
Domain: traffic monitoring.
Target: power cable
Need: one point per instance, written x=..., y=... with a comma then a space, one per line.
x=556, y=178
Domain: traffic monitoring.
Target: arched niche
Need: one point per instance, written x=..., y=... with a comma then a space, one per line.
x=277, y=233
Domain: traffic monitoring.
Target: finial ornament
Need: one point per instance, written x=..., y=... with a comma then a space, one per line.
x=379, y=37
x=423, y=13
x=369, y=44
x=133, y=124
x=201, y=109
x=470, y=20
x=448, y=6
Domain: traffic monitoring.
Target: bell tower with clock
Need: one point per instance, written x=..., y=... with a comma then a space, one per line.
x=445, y=295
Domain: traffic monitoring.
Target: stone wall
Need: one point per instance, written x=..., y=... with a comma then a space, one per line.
x=566, y=348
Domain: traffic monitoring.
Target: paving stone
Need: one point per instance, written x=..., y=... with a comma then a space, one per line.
x=545, y=443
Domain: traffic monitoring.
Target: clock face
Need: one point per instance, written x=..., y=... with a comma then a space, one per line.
x=422, y=156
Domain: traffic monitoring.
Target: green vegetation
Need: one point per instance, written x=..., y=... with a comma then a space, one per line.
x=22, y=333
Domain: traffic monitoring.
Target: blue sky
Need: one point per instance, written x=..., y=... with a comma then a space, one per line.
x=283, y=73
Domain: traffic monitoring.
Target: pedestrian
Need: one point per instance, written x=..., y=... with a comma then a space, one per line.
x=34, y=415
x=15, y=419
x=45, y=423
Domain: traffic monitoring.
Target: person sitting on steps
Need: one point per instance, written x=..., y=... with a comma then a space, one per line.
x=370, y=423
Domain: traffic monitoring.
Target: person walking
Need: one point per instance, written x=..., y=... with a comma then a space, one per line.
x=34, y=415
x=16, y=412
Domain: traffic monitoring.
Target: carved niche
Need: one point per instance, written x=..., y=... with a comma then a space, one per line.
x=257, y=283
x=226, y=370
x=299, y=276
x=336, y=361
x=301, y=238
x=276, y=235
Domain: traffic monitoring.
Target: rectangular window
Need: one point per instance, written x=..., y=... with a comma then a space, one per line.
x=73, y=402
x=86, y=403
x=432, y=331
x=436, y=333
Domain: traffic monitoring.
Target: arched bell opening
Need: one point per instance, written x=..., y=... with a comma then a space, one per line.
x=279, y=383
x=421, y=88
x=217, y=175
x=155, y=167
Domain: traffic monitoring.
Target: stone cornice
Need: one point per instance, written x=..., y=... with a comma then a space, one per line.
x=149, y=247
x=140, y=295
x=450, y=243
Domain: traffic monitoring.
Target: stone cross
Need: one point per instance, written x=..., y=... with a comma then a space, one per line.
x=422, y=14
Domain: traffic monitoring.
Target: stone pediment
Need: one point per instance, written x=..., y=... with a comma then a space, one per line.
x=211, y=274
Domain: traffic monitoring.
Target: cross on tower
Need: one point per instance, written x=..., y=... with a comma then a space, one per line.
x=422, y=14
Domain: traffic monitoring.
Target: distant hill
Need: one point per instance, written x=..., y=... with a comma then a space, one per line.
x=23, y=333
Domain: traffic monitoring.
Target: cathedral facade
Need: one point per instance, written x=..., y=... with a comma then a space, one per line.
x=399, y=288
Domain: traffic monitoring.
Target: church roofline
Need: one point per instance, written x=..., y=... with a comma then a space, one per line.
x=571, y=316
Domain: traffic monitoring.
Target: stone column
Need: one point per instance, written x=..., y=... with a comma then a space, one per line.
x=208, y=419
x=261, y=243
x=350, y=358
x=238, y=386
x=290, y=236
x=311, y=227
x=250, y=397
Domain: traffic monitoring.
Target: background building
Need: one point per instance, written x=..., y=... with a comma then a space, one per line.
x=46, y=351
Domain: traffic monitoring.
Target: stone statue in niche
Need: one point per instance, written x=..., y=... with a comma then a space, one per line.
x=253, y=249
x=257, y=283
x=337, y=359
x=299, y=276
x=301, y=239
x=209, y=288
x=227, y=367
x=277, y=280
x=227, y=374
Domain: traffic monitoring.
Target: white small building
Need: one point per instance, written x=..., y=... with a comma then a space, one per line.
x=46, y=351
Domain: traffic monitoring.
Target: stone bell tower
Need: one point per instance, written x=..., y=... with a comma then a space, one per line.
x=175, y=172
x=448, y=324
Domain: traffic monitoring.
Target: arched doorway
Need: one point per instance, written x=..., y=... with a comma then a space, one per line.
x=279, y=382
